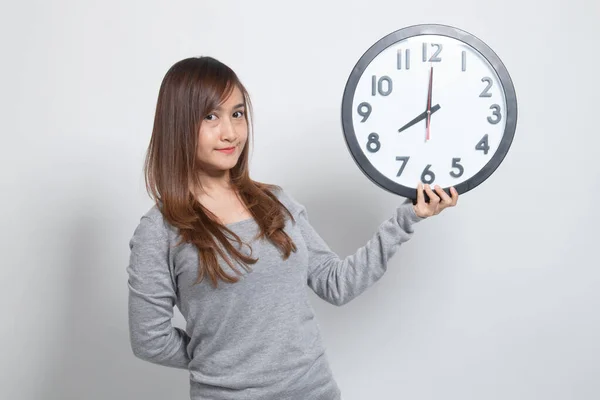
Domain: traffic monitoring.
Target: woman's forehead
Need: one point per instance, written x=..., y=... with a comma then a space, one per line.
x=234, y=100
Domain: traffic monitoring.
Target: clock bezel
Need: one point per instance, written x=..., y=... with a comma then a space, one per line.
x=418, y=30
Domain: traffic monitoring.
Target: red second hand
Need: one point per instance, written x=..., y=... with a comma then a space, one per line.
x=429, y=104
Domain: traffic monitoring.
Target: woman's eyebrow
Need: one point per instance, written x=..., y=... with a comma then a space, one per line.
x=241, y=105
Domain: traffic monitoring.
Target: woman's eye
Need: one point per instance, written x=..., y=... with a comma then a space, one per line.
x=238, y=114
x=210, y=117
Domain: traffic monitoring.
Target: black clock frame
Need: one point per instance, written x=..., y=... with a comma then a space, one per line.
x=416, y=30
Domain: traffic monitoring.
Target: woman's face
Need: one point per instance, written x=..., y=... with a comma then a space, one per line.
x=223, y=134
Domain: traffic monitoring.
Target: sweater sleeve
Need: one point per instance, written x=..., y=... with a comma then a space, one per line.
x=152, y=297
x=338, y=280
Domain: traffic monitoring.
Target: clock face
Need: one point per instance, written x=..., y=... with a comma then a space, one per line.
x=430, y=104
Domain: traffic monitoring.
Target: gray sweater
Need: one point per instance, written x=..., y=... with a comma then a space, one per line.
x=258, y=338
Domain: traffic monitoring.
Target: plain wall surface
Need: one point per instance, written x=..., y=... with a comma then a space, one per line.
x=495, y=299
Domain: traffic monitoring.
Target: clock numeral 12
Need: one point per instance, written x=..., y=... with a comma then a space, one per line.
x=377, y=85
x=435, y=57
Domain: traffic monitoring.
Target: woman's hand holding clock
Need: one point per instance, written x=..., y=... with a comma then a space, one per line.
x=438, y=200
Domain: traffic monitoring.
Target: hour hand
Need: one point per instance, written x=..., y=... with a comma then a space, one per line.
x=419, y=118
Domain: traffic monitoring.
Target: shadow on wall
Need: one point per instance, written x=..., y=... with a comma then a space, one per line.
x=95, y=359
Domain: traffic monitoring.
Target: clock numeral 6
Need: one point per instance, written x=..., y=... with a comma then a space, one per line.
x=377, y=85
x=373, y=141
x=496, y=114
x=364, y=110
x=427, y=176
x=456, y=164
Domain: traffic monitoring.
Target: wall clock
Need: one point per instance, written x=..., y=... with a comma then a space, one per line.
x=429, y=103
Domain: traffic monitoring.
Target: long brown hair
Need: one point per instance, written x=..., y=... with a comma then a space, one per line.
x=190, y=90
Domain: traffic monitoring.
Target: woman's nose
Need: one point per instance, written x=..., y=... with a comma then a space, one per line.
x=227, y=130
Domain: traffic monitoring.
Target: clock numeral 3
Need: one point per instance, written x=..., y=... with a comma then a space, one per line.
x=435, y=57
x=483, y=144
x=373, y=141
x=496, y=114
x=456, y=164
x=404, y=161
x=377, y=85
x=362, y=112
x=427, y=176
x=486, y=91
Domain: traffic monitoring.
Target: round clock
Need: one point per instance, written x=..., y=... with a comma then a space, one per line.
x=429, y=103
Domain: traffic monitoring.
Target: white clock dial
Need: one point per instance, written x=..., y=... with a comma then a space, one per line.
x=468, y=111
x=467, y=90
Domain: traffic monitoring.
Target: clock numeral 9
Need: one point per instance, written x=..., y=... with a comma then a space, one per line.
x=373, y=141
x=496, y=114
x=364, y=110
x=377, y=85
x=435, y=57
x=427, y=176
x=456, y=164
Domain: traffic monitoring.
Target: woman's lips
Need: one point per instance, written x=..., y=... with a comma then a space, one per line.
x=227, y=150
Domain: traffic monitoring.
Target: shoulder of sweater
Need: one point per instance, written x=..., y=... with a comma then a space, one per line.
x=155, y=219
x=288, y=200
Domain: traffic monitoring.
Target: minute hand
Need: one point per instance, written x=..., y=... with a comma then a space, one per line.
x=420, y=117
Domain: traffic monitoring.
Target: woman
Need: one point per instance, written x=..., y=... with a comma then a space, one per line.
x=234, y=255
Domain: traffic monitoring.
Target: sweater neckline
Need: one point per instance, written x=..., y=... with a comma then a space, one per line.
x=240, y=222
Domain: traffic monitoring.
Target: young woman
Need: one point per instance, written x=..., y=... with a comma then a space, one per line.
x=235, y=255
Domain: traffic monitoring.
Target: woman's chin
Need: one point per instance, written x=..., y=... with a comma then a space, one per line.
x=224, y=166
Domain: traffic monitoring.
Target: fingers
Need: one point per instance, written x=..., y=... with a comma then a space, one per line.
x=445, y=199
x=420, y=195
x=434, y=200
x=438, y=199
x=454, y=195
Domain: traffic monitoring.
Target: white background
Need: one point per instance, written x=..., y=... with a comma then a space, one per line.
x=495, y=299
